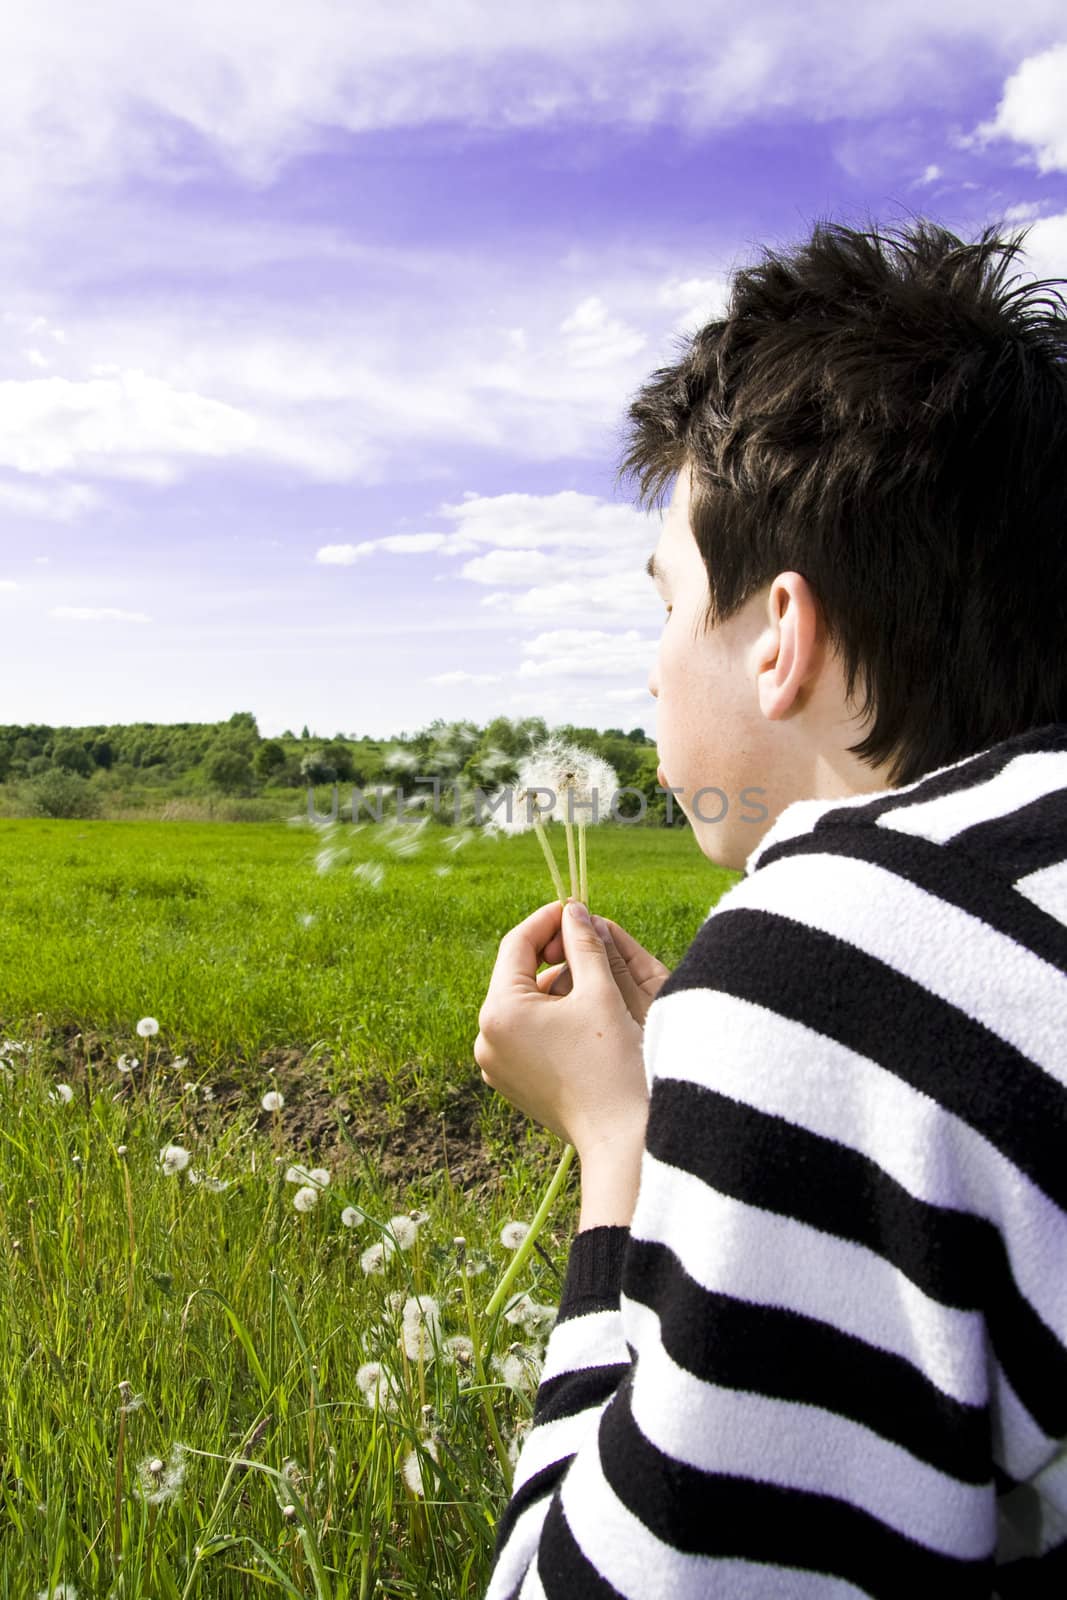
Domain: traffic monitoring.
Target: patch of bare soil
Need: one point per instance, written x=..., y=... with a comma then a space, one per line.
x=402, y=1142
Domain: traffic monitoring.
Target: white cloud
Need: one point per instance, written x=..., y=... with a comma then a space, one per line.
x=54, y=502
x=346, y=555
x=622, y=594
x=140, y=427
x=1033, y=109
x=1045, y=251
x=507, y=566
x=1024, y=211
x=697, y=301
x=595, y=338
x=7, y=585
x=97, y=614
x=147, y=89
x=459, y=676
x=584, y=653
x=930, y=175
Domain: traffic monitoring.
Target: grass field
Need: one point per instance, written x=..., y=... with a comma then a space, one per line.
x=190, y=1406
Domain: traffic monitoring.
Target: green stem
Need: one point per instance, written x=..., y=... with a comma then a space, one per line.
x=583, y=868
x=525, y=1250
x=539, y=829
x=483, y=1386
x=571, y=863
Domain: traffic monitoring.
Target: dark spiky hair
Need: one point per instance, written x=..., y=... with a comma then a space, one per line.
x=882, y=412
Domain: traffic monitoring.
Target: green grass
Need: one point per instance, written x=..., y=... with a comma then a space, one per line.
x=239, y=1323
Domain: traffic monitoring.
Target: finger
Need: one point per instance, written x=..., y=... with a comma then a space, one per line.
x=556, y=979
x=586, y=955
x=636, y=1002
x=648, y=973
x=522, y=948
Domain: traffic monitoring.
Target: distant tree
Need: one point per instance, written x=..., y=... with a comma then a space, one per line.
x=70, y=755
x=102, y=753
x=288, y=734
x=268, y=760
x=337, y=755
x=638, y=736
x=304, y=732
x=57, y=793
x=229, y=770
x=246, y=721
x=317, y=768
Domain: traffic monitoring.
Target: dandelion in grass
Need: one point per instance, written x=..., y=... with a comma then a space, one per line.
x=62, y=1094
x=460, y=1347
x=273, y=1100
x=127, y=1063
x=207, y=1181
x=62, y=1591
x=174, y=1158
x=421, y=1327
x=317, y=1177
x=526, y=1313
x=306, y=1198
x=512, y=1234
x=179, y=1063
x=374, y=1258
x=350, y=1217
x=159, y=1481
x=405, y=1230
x=413, y=1467
x=377, y=1386
x=520, y=1367
x=147, y=1028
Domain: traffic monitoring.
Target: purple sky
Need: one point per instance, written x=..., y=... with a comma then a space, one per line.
x=317, y=330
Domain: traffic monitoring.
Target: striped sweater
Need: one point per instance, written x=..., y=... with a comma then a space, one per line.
x=828, y=1358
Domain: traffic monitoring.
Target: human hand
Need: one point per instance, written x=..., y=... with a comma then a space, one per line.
x=638, y=975
x=574, y=1062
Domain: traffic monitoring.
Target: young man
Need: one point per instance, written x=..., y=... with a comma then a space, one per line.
x=813, y=1336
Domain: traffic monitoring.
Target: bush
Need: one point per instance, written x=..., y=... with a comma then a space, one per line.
x=63, y=794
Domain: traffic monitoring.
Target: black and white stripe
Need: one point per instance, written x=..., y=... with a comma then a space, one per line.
x=829, y=1357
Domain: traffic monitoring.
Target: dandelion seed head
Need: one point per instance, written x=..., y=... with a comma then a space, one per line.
x=148, y=1027
x=191, y=1089
x=378, y=1387
x=62, y=1094
x=180, y=1063
x=317, y=1177
x=174, y=1158
x=206, y=1181
x=273, y=1100
x=421, y=1327
x=62, y=1591
x=126, y=1063
x=120, y=1149
x=461, y=1348
x=160, y=1481
x=306, y=1198
x=512, y=1234
x=350, y=1217
x=413, y=1466
x=374, y=1258
x=405, y=1231
x=289, y=1513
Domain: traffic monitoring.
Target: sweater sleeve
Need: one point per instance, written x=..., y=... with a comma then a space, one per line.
x=842, y=1289
x=585, y=1359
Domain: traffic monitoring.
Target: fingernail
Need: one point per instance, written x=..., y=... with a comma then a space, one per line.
x=578, y=911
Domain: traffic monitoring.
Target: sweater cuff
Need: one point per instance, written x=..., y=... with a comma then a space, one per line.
x=594, y=1271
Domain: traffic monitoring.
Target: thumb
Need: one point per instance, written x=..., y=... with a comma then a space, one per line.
x=584, y=948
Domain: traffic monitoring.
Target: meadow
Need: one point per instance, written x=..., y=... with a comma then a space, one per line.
x=247, y=1257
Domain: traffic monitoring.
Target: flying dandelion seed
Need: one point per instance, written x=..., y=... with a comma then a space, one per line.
x=148, y=1027
x=372, y=873
x=412, y=1468
x=62, y=1094
x=174, y=1158
x=306, y=1199
x=273, y=1100
x=512, y=1234
x=216, y=1185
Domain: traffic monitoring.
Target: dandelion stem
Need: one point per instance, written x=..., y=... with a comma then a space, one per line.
x=583, y=869
x=522, y=1254
x=539, y=829
x=483, y=1386
x=568, y=825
